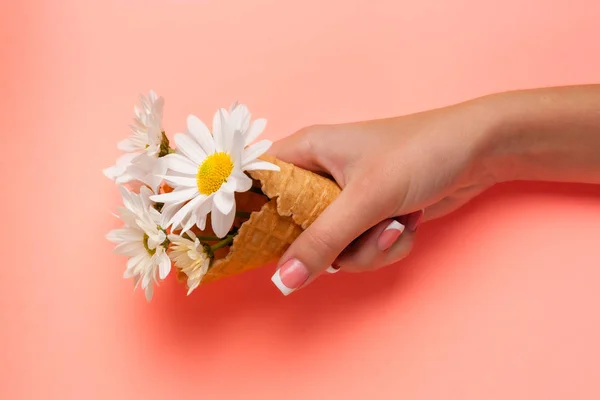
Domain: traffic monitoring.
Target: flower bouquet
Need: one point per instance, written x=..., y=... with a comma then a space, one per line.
x=214, y=205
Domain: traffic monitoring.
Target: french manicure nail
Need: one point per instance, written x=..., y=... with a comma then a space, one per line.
x=332, y=269
x=414, y=219
x=390, y=234
x=292, y=274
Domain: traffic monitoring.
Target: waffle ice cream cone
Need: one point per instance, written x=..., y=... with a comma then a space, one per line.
x=297, y=198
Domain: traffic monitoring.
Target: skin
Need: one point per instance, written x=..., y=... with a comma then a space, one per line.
x=436, y=161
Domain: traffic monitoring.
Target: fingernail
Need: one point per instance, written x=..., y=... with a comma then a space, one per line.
x=390, y=234
x=332, y=269
x=292, y=274
x=413, y=220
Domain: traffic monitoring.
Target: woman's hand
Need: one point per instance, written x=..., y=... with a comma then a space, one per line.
x=438, y=160
x=390, y=170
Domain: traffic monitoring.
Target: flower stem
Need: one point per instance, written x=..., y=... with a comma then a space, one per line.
x=223, y=243
x=242, y=214
x=208, y=238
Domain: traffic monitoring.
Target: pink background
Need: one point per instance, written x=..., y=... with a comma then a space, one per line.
x=498, y=301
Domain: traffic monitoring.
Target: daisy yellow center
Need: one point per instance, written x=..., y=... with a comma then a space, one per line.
x=148, y=249
x=213, y=172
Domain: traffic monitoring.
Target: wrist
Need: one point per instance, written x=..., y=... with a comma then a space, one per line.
x=496, y=154
x=548, y=134
x=503, y=144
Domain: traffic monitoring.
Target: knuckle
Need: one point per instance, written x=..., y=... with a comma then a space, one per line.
x=310, y=138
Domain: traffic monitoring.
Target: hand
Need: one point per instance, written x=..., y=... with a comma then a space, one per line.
x=389, y=171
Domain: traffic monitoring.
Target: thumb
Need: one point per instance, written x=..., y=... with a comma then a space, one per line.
x=350, y=215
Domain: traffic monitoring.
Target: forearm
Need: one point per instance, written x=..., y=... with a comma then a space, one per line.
x=545, y=134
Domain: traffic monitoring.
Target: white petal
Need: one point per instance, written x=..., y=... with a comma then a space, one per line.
x=127, y=145
x=256, y=150
x=133, y=262
x=154, y=239
x=201, y=133
x=147, y=277
x=187, y=224
x=190, y=148
x=125, y=235
x=200, y=213
x=118, y=170
x=143, y=176
x=243, y=182
x=125, y=178
x=168, y=211
x=233, y=106
x=164, y=266
x=237, y=147
x=179, y=181
x=157, y=107
x=224, y=201
x=260, y=165
x=239, y=115
x=221, y=130
x=149, y=291
x=229, y=186
x=130, y=249
x=221, y=224
x=179, y=163
x=128, y=201
x=136, y=281
x=113, y=172
x=201, y=222
x=216, y=129
x=153, y=181
x=128, y=273
x=126, y=216
x=145, y=162
x=185, y=210
x=257, y=127
x=192, y=285
x=145, y=194
x=175, y=196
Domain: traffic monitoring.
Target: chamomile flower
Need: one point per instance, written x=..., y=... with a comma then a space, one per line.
x=208, y=169
x=191, y=257
x=141, y=164
x=142, y=239
x=146, y=130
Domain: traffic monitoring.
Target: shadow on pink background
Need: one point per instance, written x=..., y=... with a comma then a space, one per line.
x=497, y=301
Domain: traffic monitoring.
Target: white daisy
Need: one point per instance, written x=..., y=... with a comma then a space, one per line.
x=146, y=131
x=191, y=257
x=208, y=170
x=141, y=165
x=142, y=239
